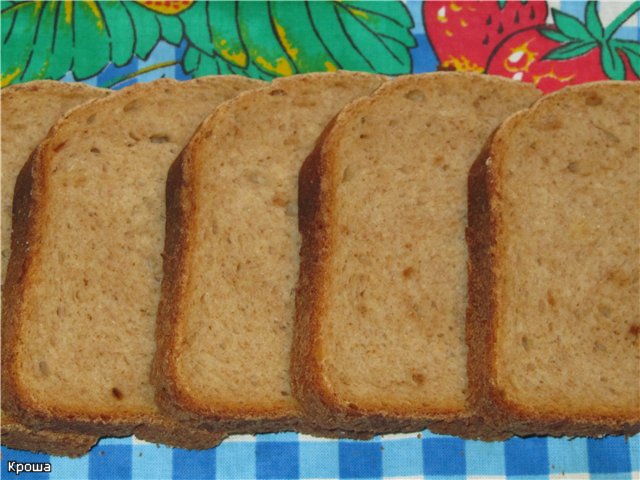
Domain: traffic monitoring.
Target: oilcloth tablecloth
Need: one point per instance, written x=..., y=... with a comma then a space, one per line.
x=116, y=44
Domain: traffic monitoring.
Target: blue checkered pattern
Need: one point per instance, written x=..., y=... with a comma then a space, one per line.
x=292, y=456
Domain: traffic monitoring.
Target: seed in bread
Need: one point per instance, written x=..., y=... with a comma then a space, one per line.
x=29, y=110
x=83, y=281
x=231, y=257
x=554, y=238
x=379, y=338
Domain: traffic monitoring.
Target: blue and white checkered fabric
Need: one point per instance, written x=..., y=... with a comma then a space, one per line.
x=292, y=456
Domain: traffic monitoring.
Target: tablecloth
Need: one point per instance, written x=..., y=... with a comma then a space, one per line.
x=115, y=44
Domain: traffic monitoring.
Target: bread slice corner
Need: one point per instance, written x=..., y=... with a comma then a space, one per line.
x=231, y=256
x=379, y=340
x=84, y=274
x=553, y=234
x=29, y=110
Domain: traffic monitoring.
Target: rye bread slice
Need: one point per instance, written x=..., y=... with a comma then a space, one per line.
x=231, y=256
x=28, y=111
x=554, y=238
x=83, y=281
x=379, y=336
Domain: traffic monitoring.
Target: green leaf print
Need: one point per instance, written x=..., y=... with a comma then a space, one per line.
x=225, y=33
x=121, y=29
x=47, y=39
x=91, y=43
x=263, y=46
x=296, y=32
x=170, y=28
x=146, y=27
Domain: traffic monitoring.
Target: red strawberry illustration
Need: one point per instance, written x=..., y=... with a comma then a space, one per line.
x=572, y=52
x=463, y=34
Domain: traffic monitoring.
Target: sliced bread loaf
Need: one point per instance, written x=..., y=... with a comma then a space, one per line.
x=554, y=314
x=231, y=256
x=29, y=110
x=379, y=336
x=83, y=281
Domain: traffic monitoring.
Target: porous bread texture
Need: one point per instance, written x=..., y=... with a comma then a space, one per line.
x=83, y=281
x=28, y=111
x=379, y=338
x=554, y=235
x=231, y=257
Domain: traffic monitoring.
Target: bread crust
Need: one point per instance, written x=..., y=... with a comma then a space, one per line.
x=29, y=436
x=20, y=437
x=483, y=314
x=43, y=84
x=30, y=199
x=316, y=217
x=18, y=402
x=178, y=245
x=315, y=203
x=14, y=434
x=172, y=397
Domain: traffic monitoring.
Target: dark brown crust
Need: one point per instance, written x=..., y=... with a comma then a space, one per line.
x=16, y=435
x=25, y=227
x=309, y=385
x=479, y=309
x=171, y=398
x=19, y=437
x=179, y=435
x=29, y=201
x=483, y=315
x=180, y=211
x=174, y=401
x=162, y=370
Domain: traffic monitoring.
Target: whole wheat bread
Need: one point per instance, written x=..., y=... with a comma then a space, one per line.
x=83, y=281
x=28, y=111
x=231, y=256
x=379, y=336
x=554, y=237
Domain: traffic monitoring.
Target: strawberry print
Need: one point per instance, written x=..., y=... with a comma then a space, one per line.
x=570, y=52
x=463, y=34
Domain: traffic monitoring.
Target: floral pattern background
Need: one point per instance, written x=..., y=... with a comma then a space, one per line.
x=116, y=43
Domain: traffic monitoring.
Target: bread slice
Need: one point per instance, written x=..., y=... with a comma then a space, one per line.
x=379, y=338
x=83, y=281
x=231, y=256
x=29, y=110
x=554, y=237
